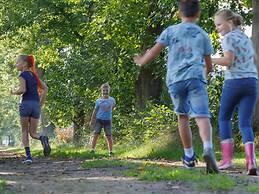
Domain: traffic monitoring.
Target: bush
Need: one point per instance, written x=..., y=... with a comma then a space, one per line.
x=141, y=126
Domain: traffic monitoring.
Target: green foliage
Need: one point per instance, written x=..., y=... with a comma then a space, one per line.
x=82, y=44
x=2, y=186
x=160, y=172
x=152, y=171
x=253, y=188
x=141, y=126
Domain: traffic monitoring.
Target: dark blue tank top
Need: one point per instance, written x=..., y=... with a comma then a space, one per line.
x=31, y=87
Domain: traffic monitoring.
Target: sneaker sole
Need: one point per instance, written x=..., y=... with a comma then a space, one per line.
x=46, y=147
x=252, y=172
x=188, y=167
x=27, y=162
x=228, y=167
x=210, y=166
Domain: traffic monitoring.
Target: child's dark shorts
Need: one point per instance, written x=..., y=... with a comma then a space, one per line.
x=30, y=108
x=106, y=125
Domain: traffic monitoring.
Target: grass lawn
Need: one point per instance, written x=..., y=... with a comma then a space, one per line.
x=2, y=186
x=159, y=172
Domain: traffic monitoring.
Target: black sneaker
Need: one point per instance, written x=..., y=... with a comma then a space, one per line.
x=111, y=154
x=210, y=160
x=27, y=161
x=45, y=144
x=189, y=162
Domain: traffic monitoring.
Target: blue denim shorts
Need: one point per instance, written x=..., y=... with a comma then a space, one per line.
x=105, y=124
x=30, y=109
x=190, y=98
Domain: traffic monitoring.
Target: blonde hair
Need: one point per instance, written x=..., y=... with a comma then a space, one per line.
x=229, y=15
x=105, y=85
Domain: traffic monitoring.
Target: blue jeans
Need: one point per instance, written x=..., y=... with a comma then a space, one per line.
x=238, y=94
x=190, y=98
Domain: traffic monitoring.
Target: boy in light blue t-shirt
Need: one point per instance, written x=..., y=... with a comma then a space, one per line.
x=189, y=48
x=102, y=117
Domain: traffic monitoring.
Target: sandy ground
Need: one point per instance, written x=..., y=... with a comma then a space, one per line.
x=60, y=176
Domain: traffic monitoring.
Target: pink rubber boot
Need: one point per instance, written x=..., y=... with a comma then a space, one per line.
x=227, y=147
x=250, y=159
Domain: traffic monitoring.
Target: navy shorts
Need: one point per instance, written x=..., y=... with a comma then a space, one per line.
x=30, y=109
x=105, y=124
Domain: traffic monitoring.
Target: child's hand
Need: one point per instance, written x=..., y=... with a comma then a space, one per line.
x=12, y=92
x=41, y=104
x=91, y=124
x=138, y=60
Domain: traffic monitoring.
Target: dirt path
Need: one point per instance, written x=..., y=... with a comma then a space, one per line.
x=67, y=177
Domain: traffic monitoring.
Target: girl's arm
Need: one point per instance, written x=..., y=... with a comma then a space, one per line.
x=21, y=89
x=149, y=55
x=208, y=64
x=44, y=91
x=93, y=118
x=226, y=60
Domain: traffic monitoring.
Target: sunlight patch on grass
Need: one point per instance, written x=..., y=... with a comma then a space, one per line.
x=154, y=172
x=163, y=147
x=198, y=177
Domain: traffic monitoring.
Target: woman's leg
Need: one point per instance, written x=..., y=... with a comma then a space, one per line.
x=33, y=128
x=25, y=130
x=44, y=139
x=25, y=139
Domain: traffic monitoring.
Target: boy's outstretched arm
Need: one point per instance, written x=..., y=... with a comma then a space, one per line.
x=150, y=55
x=208, y=64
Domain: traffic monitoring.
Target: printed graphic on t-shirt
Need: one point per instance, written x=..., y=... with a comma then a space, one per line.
x=241, y=46
x=188, y=44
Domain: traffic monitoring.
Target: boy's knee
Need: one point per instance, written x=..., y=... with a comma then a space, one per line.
x=34, y=135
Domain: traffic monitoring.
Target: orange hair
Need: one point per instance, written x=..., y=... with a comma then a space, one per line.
x=31, y=63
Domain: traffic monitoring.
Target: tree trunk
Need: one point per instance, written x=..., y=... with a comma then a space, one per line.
x=148, y=87
x=255, y=38
x=78, y=121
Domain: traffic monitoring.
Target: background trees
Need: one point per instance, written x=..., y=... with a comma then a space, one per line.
x=84, y=43
x=255, y=38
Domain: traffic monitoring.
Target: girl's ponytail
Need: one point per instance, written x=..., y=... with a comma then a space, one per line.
x=31, y=62
x=237, y=20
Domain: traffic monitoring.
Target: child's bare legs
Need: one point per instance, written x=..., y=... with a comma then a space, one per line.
x=44, y=139
x=25, y=130
x=25, y=139
x=110, y=143
x=206, y=136
x=94, y=142
x=205, y=131
x=33, y=128
x=185, y=131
